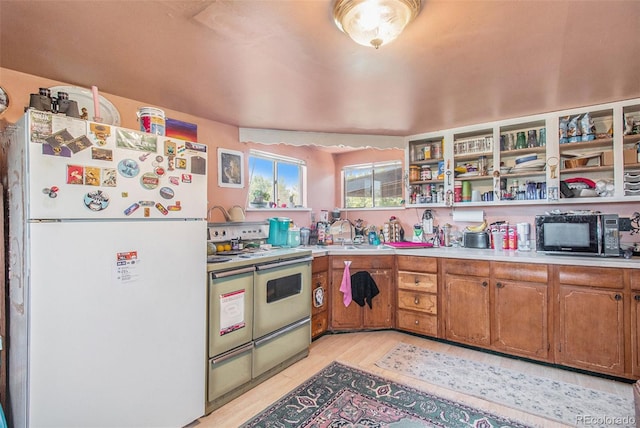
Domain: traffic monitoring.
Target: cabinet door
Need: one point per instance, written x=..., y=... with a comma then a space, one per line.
x=319, y=303
x=520, y=318
x=343, y=317
x=591, y=332
x=635, y=322
x=466, y=303
x=379, y=315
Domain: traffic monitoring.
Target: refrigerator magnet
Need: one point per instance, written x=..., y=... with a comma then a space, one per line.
x=186, y=178
x=167, y=193
x=109, y=177
x=75, y=174
x=181, y=163
x=162, y=209
x=96, y=201
x=101, y=154
x=78, y=144
x=198, y=165
x=159, y=171
x=131, y=208
x=91, y=176
x=149, y=180
x=174, y=180
x=128, y=168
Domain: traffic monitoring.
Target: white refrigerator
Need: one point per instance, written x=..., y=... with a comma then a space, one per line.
x=107, y=276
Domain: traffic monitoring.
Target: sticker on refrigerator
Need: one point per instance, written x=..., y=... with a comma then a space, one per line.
x=127, y=268
x=109, y=177
x=96, y=201
x=101, y=154
x=149, y=180
x=101, y=132
x=128, y=168
x=132, y=140
x=78, y=144
x=232, y=312
x=92, y=176
x=75, y=174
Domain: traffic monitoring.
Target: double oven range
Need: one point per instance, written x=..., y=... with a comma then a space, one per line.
x=259, y=316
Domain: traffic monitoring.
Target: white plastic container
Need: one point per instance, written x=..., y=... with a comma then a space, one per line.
x=151, y=120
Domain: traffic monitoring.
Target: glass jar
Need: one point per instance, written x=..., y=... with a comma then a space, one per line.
x=532, y=138
x=414, y=173
x=521, y=141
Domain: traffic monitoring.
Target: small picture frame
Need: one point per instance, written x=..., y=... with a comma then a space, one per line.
x=230, y=168
x=4, y=101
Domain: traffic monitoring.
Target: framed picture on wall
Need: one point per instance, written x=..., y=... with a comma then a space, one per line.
x=230, y=168
x=4, y=101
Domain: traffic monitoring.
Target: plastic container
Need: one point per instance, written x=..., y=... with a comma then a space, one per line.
x=151, y=120
x=293, y=237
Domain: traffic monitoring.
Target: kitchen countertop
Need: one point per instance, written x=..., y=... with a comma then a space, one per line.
x=479, y=254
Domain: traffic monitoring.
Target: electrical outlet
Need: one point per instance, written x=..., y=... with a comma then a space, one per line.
x=624, y=224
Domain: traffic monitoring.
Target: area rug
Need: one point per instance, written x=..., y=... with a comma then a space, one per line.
x=563, y=402
x=342, y=396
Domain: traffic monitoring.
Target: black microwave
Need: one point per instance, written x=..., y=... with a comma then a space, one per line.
x=578, y=234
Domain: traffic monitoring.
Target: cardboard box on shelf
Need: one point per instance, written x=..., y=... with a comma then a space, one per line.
x=629, y=156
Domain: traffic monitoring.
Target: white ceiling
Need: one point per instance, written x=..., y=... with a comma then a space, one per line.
x=283, y=64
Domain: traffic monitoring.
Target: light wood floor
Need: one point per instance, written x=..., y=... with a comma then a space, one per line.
x=362, y=350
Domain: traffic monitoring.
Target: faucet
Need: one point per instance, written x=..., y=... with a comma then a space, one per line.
x=342, y=231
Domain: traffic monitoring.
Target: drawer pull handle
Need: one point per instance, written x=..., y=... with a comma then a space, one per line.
x=417, y=322
x=417, y=281
x=416, y=301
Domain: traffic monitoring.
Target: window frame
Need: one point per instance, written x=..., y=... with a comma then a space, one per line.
x=276, y=159
x=371, y=166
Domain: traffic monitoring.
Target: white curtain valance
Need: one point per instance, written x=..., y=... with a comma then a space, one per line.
x=300, y=138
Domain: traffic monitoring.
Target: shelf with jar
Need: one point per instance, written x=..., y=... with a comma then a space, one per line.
x=529, y=159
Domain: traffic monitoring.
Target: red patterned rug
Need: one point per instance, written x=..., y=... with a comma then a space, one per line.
x=341, y=396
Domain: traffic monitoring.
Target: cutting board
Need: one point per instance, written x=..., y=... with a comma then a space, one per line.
x=407, y=244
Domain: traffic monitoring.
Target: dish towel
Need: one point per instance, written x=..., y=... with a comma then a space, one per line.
x=345, y=286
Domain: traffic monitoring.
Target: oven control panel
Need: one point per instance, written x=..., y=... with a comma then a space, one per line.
x=247, y=231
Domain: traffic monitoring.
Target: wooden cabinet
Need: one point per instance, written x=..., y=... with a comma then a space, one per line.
x=520, y=321
x=417, y=309
x=634, y=279
x=498, y=305
x=466, y=302
x=591, y=318
x=319, y=296
x=355, y=317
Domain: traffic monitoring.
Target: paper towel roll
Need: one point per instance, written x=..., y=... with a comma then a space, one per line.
x=470, y=216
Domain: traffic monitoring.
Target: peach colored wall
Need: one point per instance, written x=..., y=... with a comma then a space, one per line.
x=323, y=168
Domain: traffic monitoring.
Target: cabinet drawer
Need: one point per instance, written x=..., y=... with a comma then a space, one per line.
x=363, y=263
x=635, y=279
x=319, y=323
x=466, y=267
x=418, y=322
x=520, y=272
x=591, y=276
x=319, y=264
x=418, y=264
x=422, y=302
x=418, y=281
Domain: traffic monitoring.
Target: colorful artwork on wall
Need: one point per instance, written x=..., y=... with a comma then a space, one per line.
x=183, y=130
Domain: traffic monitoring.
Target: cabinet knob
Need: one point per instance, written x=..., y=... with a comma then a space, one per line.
x=499, y=285
x=637, y=297
x=485, y=283
x=416, y=301
x=417, y=322
x=417, y=281
x=618, y=297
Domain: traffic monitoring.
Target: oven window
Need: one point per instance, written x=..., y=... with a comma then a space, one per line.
x=281, y=288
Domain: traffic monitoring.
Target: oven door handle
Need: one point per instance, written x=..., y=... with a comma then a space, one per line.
x=287, y=329
x=284, y=263
x=224, y=274
x=231, y=354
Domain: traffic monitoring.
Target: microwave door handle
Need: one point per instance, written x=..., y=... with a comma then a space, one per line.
x=599, y=228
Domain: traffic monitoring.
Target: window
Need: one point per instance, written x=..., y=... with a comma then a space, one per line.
x=275, y=180
x=373, y=185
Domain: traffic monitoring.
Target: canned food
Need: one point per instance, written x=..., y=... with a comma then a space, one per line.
x=425, y=173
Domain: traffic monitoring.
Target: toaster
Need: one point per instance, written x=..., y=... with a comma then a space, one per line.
x=476, y=240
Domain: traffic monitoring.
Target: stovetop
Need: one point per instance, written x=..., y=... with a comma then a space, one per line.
x=225, y=261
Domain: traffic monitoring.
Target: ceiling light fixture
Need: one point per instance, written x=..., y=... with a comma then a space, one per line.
x=374, y=22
